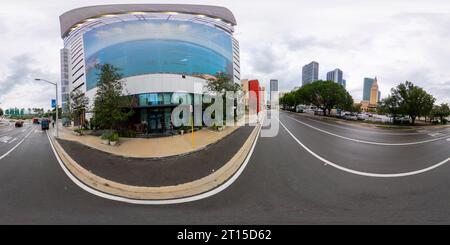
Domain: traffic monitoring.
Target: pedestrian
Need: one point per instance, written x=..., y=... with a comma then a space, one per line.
x=53, y=123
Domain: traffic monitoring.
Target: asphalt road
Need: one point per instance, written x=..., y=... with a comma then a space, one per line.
x=282, y=184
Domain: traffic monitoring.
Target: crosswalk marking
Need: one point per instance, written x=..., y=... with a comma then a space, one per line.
x=5, y=139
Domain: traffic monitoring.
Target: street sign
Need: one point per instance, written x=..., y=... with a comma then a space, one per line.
x=53, y=103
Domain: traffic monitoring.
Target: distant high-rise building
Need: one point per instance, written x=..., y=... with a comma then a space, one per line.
x=336, y=76
x=374, y=92
x=310, y=73
x=344, y=83
x=367, y=86
x=273, y=88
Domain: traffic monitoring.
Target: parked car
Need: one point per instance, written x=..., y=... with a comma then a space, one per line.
x=19, y=123
x=319, y=112
x=299, y=109
x=362, y=116
x=350, y=116
x=340, y=114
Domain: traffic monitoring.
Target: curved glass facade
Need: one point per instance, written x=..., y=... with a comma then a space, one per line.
x=158, y=47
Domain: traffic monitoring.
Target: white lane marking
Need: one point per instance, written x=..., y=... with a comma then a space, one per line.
x=359, y=130
x=436, y=134
x=155, y=202
x=368, y=142
x=448, y=139
x=367, y=174
x=17, y=145
x=12, y=140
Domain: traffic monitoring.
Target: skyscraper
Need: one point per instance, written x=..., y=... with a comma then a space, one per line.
x=367, y=86
x=336, y=76
x=310, y=73
x=273, y=88
x=374, y=93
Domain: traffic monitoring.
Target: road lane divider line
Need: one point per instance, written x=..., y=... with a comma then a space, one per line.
x=361, y=173
x=369, y=142
x=197, y=197
x=17, y=145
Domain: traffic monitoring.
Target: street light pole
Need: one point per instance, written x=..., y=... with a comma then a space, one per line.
x=57, y=102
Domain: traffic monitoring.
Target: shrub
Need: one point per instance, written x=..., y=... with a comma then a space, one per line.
x=126, y=133
x=114, y=137
x=105, y=136
x=78, y=130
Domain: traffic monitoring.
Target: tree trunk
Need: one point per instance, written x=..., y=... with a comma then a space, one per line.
x=413, y=120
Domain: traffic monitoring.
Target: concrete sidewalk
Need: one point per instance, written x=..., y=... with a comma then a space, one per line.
x=151, y=148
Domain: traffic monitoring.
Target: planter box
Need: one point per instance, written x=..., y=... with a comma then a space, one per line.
x=113, y=143
x=105, y=142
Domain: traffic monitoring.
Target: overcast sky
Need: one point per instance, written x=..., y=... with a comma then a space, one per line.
x=393, y=40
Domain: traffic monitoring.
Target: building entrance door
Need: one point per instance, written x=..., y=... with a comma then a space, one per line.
x=156, y=121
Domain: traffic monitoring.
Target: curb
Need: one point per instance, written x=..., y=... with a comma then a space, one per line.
x=161, y=195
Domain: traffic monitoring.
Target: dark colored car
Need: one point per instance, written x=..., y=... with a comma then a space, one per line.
x=19, y=124
x=45, y=124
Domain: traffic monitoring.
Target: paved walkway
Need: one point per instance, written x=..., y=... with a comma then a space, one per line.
x=154, y=147
x=158, y=172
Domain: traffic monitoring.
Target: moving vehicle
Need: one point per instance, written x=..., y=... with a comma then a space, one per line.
x=35, y=120
x=19, y=124
x=45, y=124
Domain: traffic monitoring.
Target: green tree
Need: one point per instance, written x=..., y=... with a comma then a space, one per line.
x=221, y=84
x=77, y=105
x=414, y=101
x=441, y=111
x=325, y=95
x=288, y=100
x=356, y=108
x=110, y=103
x=390, y=106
